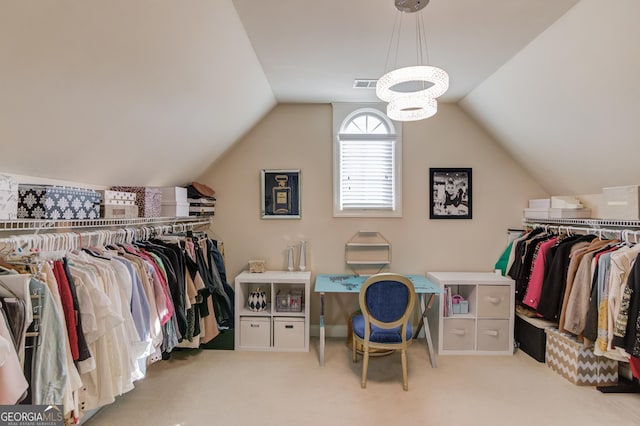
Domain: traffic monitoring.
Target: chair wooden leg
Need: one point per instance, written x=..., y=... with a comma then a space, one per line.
x=365, y=366
x=353, y=347
x=405, y=384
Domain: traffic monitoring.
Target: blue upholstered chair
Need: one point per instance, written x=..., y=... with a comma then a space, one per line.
x=386, y=302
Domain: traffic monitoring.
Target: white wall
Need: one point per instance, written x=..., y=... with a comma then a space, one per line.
x=299, y=137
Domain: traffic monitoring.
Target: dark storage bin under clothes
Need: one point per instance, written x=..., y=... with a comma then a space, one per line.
x=530, y=335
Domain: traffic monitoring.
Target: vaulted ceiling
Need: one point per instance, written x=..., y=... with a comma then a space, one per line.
x=156, y=90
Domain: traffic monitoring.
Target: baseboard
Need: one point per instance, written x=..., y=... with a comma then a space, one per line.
x=329, y=331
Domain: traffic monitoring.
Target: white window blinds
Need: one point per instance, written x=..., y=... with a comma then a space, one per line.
x=367, y=162
x=367, y=174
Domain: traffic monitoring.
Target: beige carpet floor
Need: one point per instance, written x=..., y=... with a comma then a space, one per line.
x=217, y=387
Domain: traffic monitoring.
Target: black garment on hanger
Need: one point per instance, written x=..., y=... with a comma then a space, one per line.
x=173, y=265
x=221, y=302
x=555, y=281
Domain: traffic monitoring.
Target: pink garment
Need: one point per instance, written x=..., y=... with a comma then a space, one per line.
x=534, y=289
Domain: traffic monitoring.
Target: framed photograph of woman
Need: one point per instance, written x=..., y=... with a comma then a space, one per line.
x=280, y=194
x=450, y=193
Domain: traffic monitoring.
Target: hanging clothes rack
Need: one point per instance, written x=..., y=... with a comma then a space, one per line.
x=60, y=235
x=625, y=230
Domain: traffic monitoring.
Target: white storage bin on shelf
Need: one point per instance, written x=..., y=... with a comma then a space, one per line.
x=286, y=324
x=174, y=209
x=255, y=332
x=621, y=202
x=174, y=194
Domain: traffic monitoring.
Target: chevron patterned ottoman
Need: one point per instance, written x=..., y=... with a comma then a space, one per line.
x=569, y=358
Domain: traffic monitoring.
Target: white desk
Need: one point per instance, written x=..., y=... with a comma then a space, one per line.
x=335, y=283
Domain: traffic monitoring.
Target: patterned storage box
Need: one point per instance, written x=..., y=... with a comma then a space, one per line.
x=148, y=200
x=567, y=357
x=8, y=198
x=118, y=198
x=57, y=202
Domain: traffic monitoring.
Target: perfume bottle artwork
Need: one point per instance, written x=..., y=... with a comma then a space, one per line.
x=281, y=195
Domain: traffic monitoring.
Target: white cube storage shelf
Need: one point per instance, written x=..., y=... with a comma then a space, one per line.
x=487, y=329
x=271, y=329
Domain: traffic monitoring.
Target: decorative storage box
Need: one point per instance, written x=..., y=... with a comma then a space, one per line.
x=567, y=357
x=459, y=305
x=621, y=202
x=148, y=200
x=118, y=211
x=289, y=302
x=256, y=266
x=118, y=198
x=57, y=202
x=8, y=198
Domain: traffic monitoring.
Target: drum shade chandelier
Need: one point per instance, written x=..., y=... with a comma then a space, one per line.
x=411, y=92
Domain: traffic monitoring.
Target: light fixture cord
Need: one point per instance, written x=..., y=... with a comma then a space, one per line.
x=422, y=46
x=397, y=27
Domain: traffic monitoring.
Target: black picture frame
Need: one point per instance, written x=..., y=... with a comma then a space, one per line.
x=450, y=193
x=280, y=194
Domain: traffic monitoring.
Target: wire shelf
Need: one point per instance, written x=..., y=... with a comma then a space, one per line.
x=590, y=223
x=48, y=224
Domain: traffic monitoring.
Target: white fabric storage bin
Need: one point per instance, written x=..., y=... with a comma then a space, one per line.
x=565, y=202
x=174, y=194
x=255, y=332
x=540, y=203
x=174, y=209
x=8, y=198
x=288, y=333
x=621, y=202
x=569, y=213
x=536, y=213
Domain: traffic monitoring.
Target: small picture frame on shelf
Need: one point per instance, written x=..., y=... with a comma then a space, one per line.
x=450, y=193
x=280, y=194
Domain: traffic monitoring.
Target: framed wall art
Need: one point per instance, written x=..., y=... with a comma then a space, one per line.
x=450, y=193
x=280, y=194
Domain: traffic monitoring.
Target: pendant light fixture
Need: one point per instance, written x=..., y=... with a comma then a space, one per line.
x=411, y=92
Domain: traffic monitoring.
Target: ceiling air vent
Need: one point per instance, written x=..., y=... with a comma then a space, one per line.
x=364, y=83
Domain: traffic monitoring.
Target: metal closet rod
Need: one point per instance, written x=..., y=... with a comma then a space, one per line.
x=47, y=224
x=622, y=234
x=128, y=230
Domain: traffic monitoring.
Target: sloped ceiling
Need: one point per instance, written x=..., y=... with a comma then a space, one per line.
x=138, y=92
x=152, y=92
x=567, y=107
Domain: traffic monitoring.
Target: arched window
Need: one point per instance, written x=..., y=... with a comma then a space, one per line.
x=367, y=158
